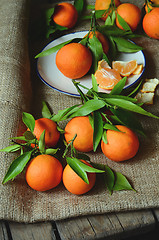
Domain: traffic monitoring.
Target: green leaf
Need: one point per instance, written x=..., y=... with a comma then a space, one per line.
x=79, y=4
x=110, y=127
x=94, y=83
x=124, y=45
x=123, y=23
x=104, y=137
x=99, y=13
x=52, y=50
x=97, y=50
x=42, y=142
x=127, y=118
x=81, y=168
x=83, y=96
x=12, y=148
x=121, y=183
x=89, y=107
x=45, y=110
x=17, y=166
x=48, y=13
x=29, y=135
x=82, y=156
x=19, y=138
x=118, y=87
x=134, y=92
x=51, y=151
x=130, y=106
x=28, y=120
x=63, y=114
x=109, y=178
x=98, y=129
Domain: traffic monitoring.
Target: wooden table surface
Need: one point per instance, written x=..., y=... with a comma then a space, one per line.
x=105, y=226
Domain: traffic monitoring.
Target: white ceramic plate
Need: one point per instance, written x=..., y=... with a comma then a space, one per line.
x=50, y=75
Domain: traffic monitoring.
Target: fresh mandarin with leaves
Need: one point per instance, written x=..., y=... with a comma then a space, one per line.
x=104, y=5
x=74, y=60
x=121, y=145
x=44, y=172
x=82, y=127
x=151, y=23
x=65, y=15
x=102, y=39
x=52, y=135
x=130, y=13
x=76, y=185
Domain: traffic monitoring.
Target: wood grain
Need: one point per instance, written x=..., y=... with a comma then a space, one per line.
x=107, y=226
x=39, y=231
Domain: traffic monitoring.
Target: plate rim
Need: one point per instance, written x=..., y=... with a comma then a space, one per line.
x=74, y=94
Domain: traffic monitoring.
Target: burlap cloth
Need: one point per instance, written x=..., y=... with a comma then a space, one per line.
x=17, y=201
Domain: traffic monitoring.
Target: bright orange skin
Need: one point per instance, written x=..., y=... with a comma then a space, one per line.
x=122, y=145
x=52, y=135
x=102, y=39
x=82, y=127
x=130, y=13
x=65, y=15
x=74, y=60
x=74, y=184
x=151, y=23
x=104, y=5
x=43, y=173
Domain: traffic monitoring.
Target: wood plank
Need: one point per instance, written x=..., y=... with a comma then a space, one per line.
x=3, y=231
x=40, y=231
x=107, y=225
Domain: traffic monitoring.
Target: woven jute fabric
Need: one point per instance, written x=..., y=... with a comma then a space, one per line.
x=18, y=201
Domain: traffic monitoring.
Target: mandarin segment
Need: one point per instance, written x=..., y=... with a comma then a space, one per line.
x=74, y=184
x=43, y=173
x=107, y=78
x=122, y=145
x=65, y=15
x=74, y=60
x=125, y=68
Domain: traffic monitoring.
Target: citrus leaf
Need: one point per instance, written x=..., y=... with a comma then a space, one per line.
x=48, y=13
x=121, y=183
x=52, y=50
x=94, y=83
x=118, y=87
x=79, y=4
x=99, y=13
x=98, y=129
x=29, y=135
x=62, y=113
x=12, y=148
x=28, y=120
x=123, y=23
x=104, y=137
x=110, y=127
x=42, y=142
x=97, y=50
x=109, y=178
x=45, y=110
x=74, y=163
x=76, y=84
x=130, y=106
x=19, y=138
x=105, y=96
x=127, y=118
x=124, y=45
x=111, y=30
x=89, y=107
x=51, y=151
x=17, y=166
